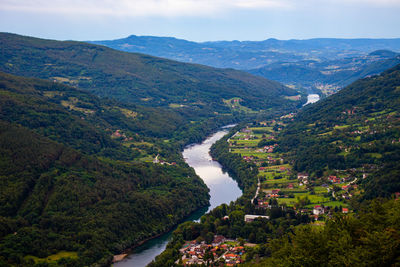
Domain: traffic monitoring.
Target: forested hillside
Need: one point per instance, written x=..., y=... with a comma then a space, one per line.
x=91, y=159
x=368, y=239
x=321, y=187
x=77, y=178
x=355, y=128
x=137, y=78
x=323, y=65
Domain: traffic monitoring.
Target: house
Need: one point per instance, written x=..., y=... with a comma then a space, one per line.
x=250, y=218
x=302, y=176
x=229, y=256
x=345, y=210
x=318, y=210
x=290, y=186
x=333, y=179
x=218, y=239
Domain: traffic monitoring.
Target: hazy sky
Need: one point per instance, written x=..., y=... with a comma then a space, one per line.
x=201, y=20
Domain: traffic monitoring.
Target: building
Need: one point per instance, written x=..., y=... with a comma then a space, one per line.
x=318, y=210
x=250, y=218
x=302, y=176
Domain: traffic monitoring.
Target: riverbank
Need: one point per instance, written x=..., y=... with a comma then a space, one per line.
x=223, y=189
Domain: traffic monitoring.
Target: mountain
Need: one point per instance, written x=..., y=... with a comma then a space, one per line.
x=76, y=177
x=356, y=128
x=325, y=65
x=137, y=78
x=215, y=54
x=249, y=54
x=331, y=75
x=354, y=132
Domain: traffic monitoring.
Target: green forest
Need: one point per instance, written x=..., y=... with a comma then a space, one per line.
x=69, y=185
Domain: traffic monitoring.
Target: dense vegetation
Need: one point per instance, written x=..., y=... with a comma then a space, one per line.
x=369, y=239
x=139, y=79
x=355, y=128
x=69, y=183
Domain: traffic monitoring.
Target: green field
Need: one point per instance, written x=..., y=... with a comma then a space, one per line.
x=53, y=258
x=316, y=198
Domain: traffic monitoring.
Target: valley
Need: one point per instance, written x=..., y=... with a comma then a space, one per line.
x=91, y=142
x=292, y=196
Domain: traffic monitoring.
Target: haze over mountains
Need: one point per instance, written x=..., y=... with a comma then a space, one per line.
x=327, y=64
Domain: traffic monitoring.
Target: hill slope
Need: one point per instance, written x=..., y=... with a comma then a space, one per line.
x=137, y=78
x=74, y=176
x=325, y=64
x=355, y=128
x=329, y=75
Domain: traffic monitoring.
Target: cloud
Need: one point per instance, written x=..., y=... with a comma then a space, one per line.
x=173, y=8
x=165, y=8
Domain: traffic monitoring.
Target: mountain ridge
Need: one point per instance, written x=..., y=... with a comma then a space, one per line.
x=137, y=78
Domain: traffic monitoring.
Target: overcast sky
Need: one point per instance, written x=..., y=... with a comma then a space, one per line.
x=201, y=20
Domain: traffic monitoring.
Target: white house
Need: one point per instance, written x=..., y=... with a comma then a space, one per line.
x=250, y=218
x=318, y=210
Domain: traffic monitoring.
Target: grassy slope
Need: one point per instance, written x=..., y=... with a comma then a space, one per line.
x=359, y=125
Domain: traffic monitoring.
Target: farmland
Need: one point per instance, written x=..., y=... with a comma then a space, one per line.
x=258, y=143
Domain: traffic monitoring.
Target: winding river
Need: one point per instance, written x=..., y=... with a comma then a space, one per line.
x=223, y=189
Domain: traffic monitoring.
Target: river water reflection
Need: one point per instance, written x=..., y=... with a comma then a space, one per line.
x=223, y=189
x=312, y=98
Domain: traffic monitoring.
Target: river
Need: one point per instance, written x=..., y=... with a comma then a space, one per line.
x=223, y=189
x=312, y=98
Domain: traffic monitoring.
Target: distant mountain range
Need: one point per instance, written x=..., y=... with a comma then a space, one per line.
x=327, y=64
x=330, y=75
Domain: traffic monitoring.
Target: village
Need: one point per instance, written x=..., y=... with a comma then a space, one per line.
x=220, y=251
x=278, y=186
x=278, y=183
